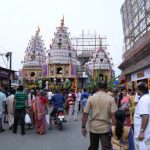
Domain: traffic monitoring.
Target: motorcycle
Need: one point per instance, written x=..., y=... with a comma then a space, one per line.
x=58, y=118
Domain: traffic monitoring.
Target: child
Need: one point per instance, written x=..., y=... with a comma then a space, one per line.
x=122, y=136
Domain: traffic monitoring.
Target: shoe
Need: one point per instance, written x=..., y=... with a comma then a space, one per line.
x=42, y=133
x=2, y=130
x=14, y=132
x=10, y=128
x=22, y=133
x=75, y=119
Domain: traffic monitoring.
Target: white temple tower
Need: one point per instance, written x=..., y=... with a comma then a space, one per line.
x=61, y=57
x=99, y=67
x=34, y=58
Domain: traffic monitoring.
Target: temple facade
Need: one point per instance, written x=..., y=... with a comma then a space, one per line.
x=34, y=59
x=99, y=67
x=62, y=58
x=57, y=67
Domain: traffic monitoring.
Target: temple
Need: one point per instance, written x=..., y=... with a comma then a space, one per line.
x=34, y=58
x=99, y=67
x=59, y=67
x=61, y=59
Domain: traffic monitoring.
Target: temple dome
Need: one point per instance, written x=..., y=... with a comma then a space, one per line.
x=61, y=50
x=35, y=51
x=100, y=60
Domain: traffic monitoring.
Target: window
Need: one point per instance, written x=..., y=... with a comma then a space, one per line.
x=59, y=70
x=32, y=74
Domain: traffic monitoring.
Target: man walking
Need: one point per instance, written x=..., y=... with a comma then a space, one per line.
x=2, y=100
x=20, y=104
x=10, y=108
x=142, y=118
x=102, y=107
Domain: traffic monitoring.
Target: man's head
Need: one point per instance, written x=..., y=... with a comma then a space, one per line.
x=20, y=88
x=12, y=91
x=102, y=85
x=142, y=88
x=57, y=91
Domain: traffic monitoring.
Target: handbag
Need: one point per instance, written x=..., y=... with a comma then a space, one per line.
x=27, y=119
x=47, y=118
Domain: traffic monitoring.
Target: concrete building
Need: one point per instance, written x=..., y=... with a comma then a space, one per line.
x=136, y=55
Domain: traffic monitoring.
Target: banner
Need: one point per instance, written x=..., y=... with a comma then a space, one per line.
x=44, y=70
x=73, y=70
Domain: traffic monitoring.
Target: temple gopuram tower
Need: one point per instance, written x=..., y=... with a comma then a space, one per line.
x=34, y=59
x=99, y=67
x=61, y=58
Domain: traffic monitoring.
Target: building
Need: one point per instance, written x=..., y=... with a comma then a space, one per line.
x=99, y=67
x=6, y=76
x=61, y=59
x=85, y=44
x=34, y=59
x=136, y=56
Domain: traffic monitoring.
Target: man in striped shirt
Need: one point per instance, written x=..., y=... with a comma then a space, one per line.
x=19, y=106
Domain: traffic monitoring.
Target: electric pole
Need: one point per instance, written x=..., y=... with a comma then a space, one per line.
x=9, y=57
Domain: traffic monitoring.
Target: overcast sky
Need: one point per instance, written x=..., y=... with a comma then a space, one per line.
x=19, y=20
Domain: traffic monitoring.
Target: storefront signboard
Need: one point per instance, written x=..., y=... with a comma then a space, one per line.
x=140, y=75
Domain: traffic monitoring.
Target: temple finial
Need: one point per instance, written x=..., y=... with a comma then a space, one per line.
x=62, y=22
x=100, y=42
x=38, y=30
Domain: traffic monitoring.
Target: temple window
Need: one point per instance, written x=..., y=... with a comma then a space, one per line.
x=101, y=76
x=59, y=70
x=32, y=74
x=59, y=45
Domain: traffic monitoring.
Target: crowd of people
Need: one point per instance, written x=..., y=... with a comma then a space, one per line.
x=119, y=118
x=30, y=107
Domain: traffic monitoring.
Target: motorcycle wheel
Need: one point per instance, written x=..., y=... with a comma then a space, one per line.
x=60, y=126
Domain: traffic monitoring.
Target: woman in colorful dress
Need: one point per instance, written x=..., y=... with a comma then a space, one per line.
x=124, y=104
x=40, y=110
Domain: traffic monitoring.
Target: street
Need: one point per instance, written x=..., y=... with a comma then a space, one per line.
x=70, y=138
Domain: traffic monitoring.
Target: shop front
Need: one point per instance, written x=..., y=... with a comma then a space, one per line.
x=141, y=76
x=6, y=76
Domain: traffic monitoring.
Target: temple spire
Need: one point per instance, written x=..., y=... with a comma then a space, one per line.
x=38, y=30
x=100, y=42
x=62, y=22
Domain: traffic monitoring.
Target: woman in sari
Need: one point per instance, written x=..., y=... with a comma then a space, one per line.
x=39, y=107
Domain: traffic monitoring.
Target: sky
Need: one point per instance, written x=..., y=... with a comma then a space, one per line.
x=19, y=20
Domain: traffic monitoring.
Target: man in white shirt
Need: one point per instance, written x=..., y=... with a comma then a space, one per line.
x=136, y=98
x=10, y=108
x=49, y=96
x=2, y=100
x=142, y=118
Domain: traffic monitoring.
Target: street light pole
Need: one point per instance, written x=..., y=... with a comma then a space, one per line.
x=9, y=55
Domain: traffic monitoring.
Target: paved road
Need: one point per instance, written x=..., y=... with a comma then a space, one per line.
x=68, y=139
